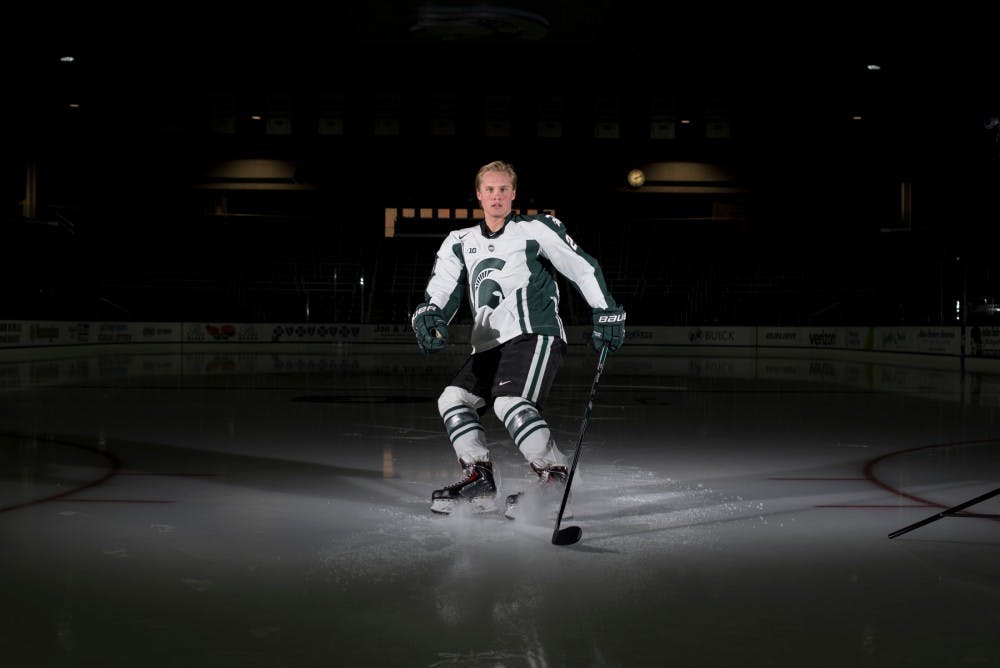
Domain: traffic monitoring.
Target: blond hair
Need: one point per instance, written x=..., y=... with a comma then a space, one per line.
x=497, y=166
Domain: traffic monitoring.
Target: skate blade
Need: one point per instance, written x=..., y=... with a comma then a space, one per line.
x=480, y=504
x=442, y=506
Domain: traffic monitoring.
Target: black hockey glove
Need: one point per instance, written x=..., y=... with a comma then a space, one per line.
x=430, y=327
x=609, y=327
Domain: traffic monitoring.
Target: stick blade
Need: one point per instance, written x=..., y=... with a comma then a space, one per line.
x=567, y=536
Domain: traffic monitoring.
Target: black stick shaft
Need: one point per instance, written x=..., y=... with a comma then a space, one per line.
x=579, y=440
x=948, y=511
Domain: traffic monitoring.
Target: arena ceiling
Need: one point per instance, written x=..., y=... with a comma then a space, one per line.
x=790, y=79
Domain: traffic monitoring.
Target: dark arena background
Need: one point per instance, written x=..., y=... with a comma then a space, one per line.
x=218, y=438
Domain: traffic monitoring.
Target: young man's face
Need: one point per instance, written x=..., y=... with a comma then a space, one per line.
x=495, y=194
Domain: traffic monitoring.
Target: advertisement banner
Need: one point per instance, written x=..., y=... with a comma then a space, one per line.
x=11, y=332
x=673, y=336
x=981, y=341
x=984, y=341
x=849, y=338
x=925, y=340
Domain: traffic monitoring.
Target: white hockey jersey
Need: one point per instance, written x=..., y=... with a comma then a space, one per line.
x=508, y=278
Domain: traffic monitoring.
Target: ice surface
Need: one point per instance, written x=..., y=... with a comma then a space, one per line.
x=725, y=522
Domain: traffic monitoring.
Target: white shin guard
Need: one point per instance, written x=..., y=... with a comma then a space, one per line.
x=529, y=430
x=458, y=409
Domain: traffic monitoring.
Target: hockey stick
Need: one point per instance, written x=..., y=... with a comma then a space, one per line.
x=944, y=513
x=572, y=534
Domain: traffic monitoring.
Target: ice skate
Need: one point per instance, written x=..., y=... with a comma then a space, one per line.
x=477, y=489
x=545, y=497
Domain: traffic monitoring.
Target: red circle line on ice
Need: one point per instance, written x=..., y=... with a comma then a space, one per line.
x=869, y=473
x=113, y=467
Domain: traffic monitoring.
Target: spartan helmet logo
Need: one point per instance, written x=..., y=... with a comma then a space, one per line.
x=487, y=291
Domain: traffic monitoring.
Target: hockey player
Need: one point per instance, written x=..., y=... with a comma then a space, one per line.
x=505, y=265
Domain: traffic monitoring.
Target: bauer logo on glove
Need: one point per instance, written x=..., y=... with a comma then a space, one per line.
x=609, y=328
